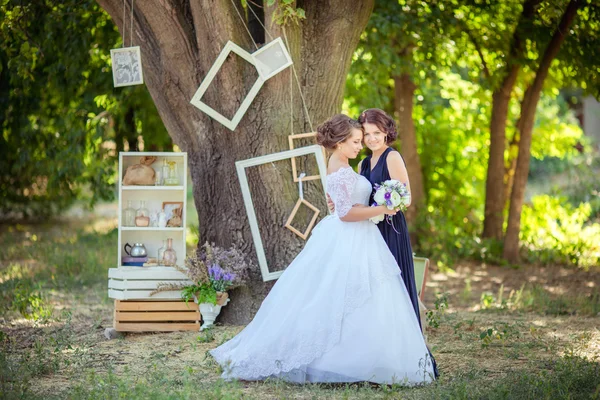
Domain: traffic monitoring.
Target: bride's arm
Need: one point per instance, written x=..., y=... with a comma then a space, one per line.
x=361, y=213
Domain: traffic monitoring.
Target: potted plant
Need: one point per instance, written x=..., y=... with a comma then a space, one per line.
x=213, y=270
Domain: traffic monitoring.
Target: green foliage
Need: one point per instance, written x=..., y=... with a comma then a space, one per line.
x=205, y=293
x=29, y=303
x=553, y=231
x=501, y=331
x=440, y=307
x=58, y=109
x=286, y=12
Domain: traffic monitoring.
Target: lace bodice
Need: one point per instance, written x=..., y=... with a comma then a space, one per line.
x=347, y=188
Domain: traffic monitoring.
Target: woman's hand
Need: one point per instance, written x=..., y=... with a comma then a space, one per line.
x=330, y=204
x=387, y=211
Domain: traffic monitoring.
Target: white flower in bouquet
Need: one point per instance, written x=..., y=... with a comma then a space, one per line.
x=393, y=194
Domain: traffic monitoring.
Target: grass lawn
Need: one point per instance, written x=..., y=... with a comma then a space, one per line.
x=497, y=333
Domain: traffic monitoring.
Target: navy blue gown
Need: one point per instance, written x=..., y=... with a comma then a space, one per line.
x=398, y=242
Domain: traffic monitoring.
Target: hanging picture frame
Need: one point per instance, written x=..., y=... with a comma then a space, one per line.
x=271, y=59
x=288, y=223
x=127, y=66
x=241, y=166
x=232, y=123
x=291, y=139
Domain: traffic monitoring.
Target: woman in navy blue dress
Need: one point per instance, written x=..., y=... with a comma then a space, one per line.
x=382, y=164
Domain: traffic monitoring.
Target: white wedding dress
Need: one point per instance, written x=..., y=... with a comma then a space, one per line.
x=339, y=312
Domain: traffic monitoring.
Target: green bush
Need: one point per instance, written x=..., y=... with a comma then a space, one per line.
x=553, y=231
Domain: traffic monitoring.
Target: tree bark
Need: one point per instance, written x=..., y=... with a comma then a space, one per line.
x=179, y=43
x=494, y=186
x=403, y=110
x=525, y=126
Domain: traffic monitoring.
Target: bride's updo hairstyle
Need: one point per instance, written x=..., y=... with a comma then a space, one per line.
x=336, y=130
x=384, y=122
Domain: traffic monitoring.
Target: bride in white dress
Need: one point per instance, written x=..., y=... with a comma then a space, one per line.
x=340, y=311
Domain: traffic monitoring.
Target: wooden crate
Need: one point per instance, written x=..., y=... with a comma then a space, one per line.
x=156, y=316
x=136, y=283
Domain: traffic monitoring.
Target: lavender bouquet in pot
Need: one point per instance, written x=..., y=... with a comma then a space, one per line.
x=212, y=270
x=220, y=281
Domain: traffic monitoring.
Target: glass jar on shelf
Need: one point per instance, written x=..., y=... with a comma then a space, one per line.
x=169, y=256
x=161, y=252
x=129, y=214
x=164, y=172
x=172, y=178
x=142, y=215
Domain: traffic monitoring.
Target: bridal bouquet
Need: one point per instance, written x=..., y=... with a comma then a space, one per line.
x=393, y=194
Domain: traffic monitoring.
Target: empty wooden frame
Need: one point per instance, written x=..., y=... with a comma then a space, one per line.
x=269, y=60
x=232, y=123
x=294, y=167
x=241, y=171
x=288, y=223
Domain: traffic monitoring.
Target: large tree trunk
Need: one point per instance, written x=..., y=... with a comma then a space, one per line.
x=403, y=110
x=180, y=41
x=494, y=186
x=525, y=126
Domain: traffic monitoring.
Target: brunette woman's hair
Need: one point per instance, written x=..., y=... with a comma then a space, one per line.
x=384, y=122
x=336, y=130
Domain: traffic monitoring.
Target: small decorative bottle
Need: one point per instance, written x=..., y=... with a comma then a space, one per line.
x=164, y=172
x=129, y=214
x=172, y=178
x=162, y=219
x=169, y=257
x=161, y=252
x=142, y=215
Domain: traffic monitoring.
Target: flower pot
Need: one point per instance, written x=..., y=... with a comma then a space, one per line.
x=222, y=298
x=209, y=312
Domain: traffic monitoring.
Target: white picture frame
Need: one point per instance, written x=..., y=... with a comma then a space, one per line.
x=252, y=162
x=196, y=100
x=127, y=66
x=271, y=59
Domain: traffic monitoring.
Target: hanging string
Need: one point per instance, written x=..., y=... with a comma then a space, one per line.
x=123, y=30
x=261, y=24
x=298, y=82
x=131, y=26
x=300, y=191
x=291, y=103
x=243, y=23
x=293, y=68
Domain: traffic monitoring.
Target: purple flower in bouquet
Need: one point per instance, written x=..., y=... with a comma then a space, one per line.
x=393, y=194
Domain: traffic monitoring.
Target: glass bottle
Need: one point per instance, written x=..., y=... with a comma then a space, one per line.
x=161, y=252
x=162, y=219
x=169, y=257
x=164, y=172
x=129, y=214
x=142, y=215
x=173, y=174
x=142, y=211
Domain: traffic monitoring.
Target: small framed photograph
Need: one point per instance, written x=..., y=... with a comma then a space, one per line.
x=127, y=66
x=174, y=211
x=272, y=58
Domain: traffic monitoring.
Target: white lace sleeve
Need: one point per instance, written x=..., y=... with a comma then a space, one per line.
x=340, y=186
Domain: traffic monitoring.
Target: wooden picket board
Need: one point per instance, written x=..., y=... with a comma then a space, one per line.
x=129, y=284
x=155, y=306
x=146, y=273
x=142, y=295
x=155, y=327
x=157, y=316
